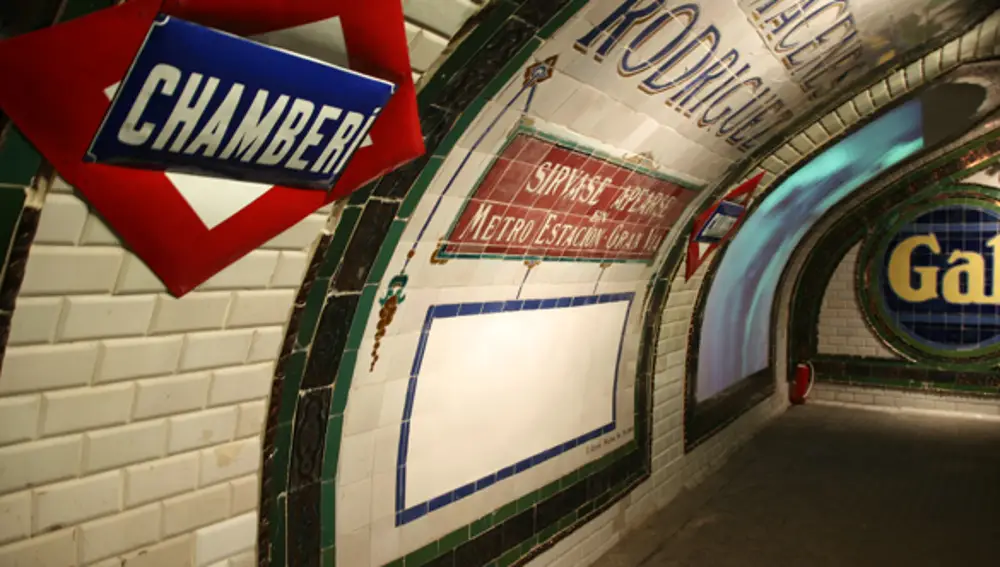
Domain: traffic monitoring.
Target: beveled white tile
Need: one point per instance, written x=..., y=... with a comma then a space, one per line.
x=384, y=498
x=411, y=313
x=385, y=541
x=393, y=399
x=547, y=291
x=437, y=228
x=354, y=548
x=503, y=273
x=364, y=404
x=551, y=95
x=578, y=103
x=386, y=449
x=353, y=508
x=357, y=453
x=553, y=272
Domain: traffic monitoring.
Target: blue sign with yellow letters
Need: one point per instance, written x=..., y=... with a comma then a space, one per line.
x=208, y=102
x=940, y=278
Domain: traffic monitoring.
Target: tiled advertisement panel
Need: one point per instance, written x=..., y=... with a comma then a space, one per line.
x=545, y=199
x=499, y=387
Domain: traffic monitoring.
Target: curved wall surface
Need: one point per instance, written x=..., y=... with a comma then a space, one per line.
x=841, y=330
x=482, y=358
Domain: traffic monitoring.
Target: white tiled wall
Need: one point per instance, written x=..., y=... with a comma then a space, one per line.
x=842, y=329
x=131, y=420
x=905, y=401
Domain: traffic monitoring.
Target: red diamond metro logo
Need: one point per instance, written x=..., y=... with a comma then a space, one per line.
x=187, y=227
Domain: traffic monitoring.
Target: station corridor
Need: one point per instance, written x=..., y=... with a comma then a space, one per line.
x=828, y=486
x=499, y=283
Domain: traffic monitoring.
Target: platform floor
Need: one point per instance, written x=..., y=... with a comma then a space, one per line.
x=830, y=486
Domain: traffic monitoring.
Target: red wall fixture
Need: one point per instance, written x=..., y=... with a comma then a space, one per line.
x=59, y=83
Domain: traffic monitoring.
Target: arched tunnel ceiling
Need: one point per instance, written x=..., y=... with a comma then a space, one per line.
x=699, y=86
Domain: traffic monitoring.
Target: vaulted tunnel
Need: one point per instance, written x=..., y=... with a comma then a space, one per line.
x=576, y=331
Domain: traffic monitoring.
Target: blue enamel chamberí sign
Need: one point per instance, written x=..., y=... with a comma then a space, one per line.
x=203, y=101
x=939, y=284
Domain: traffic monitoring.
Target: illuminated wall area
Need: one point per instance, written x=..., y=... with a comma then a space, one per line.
x=516, y=348
x=908, y=307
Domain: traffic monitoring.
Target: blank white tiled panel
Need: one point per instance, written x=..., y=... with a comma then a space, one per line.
x=530, y=381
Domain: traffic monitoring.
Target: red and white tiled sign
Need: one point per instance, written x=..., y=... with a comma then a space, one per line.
x=540, y=199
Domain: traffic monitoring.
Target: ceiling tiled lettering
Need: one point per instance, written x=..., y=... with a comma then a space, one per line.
x=727, y=73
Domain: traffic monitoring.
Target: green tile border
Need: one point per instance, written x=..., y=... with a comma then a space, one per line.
x=19, y=162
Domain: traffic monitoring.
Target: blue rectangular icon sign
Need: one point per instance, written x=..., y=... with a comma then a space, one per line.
x=722, y=220
x=202, y=101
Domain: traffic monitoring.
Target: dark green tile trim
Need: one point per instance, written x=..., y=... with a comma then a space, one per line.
x=311, y=311
x=76, y=8
x=17, y=231
x=19, y=162
x=329, y=557
x=294, y=368
x=882, y=373
x=422, y=556
x=385, y=253
x=504, y=512
x=458, y=129
x=11, y=203
x=328, y=509
x=345, y=229
x=513, y=66
x=454, y=539
x=360, y=322
x=480, y=28
x=563, y=16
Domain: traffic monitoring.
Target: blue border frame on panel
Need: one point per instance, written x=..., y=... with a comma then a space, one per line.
x=405, y=515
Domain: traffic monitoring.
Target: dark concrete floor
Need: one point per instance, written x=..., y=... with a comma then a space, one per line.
x=834, y=487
